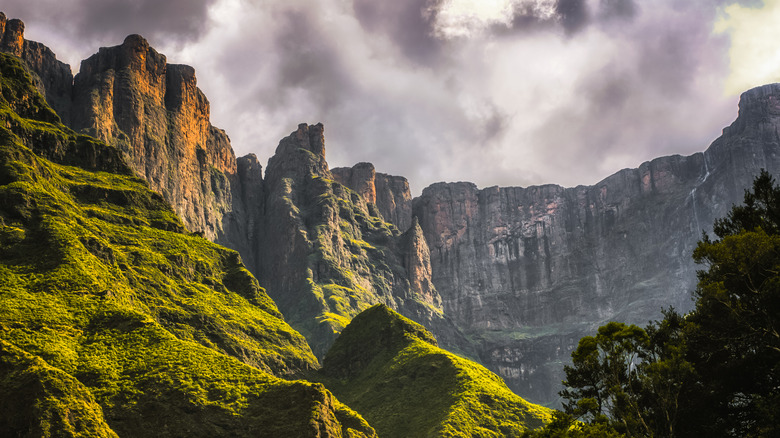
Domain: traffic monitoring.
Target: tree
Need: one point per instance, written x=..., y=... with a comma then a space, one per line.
x=735, y=325
x=631, y=378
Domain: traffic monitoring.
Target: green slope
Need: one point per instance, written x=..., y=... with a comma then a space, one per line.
x=391, y=371
x=118, y=318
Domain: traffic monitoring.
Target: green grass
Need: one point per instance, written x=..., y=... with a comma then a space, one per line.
x=128, y=323
x=391, y=371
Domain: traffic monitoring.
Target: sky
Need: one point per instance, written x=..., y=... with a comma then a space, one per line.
x=496, y=92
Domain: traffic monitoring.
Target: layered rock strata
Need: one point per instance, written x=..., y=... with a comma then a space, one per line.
x=129, y=96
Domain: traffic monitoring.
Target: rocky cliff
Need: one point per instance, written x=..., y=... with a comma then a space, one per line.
x=525, y=272
x=390, y=193
x=328, y=254
x=130, y=97
x=325, y=251
x=52, y=78
x=115, y=321
x=154, y=113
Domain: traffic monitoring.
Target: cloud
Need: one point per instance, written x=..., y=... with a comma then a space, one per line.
x=509, y=92
x=408, y=23
x=93, y=20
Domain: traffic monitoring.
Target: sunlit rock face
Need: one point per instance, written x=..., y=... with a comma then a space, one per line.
x=526, y=272
x=130, y=97
x=52, y=78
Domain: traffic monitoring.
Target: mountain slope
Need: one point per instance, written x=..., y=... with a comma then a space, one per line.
x=106, y=297
x=390, y=369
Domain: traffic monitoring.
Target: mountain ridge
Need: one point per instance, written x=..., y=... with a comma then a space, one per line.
x=517, y=275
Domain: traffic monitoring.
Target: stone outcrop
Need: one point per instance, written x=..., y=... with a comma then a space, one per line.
x=327, y=253
x=53, y=78
x=390, y=193
x=527, y=271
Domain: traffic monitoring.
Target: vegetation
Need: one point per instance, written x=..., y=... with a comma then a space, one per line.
x=713, y=372
x=390, y=370
x=115, y=320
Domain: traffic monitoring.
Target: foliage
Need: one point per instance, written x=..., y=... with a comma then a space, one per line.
x=736, y=321
x=390, y=370
x=108, y=304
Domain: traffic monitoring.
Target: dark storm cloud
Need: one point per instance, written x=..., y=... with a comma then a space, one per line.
x=310, y=60
x=562, y=91
x=408, y=23
x=573, y=14
x=610, y=9
x=111, y=20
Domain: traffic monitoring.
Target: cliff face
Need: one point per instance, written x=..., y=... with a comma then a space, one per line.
x=52, y=78
x=390, y=193
x=153, y=112
x=327, y=253
x=527, y=271
x=324, y=250
x=116, y=321
x=129, y=96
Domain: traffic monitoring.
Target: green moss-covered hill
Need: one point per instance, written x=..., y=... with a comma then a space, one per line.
x=391, y=371
x=116, y=321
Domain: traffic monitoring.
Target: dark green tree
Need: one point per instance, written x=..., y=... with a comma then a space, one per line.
x=735, y=345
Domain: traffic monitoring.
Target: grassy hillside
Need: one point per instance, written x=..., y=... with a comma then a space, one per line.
x=391, y=371
x=114, y=319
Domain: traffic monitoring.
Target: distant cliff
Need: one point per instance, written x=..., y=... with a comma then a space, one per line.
x=525, y=272
x=326, y=253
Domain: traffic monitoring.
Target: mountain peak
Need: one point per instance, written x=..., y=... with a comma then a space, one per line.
x=376, y=332
x=759, y=109
x=12, y=35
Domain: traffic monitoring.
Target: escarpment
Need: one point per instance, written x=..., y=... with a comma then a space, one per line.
x=512, y=276
x=526, y=272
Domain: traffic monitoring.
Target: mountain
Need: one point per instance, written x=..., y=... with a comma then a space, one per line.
x=115, y=321
x=511, y=277
x=323, y=252
x=327, y=254
x=526, y=272
x=391, y=370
